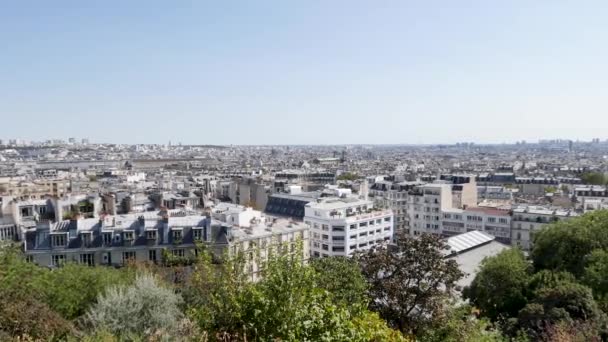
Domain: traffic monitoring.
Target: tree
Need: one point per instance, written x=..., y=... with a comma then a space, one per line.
x=458, y=324
x=564, y=245
x=594, y=178
x=595, y=276
x=498, y=289
x=142, y=309
x=72, y=289
x=564, y=303
x=342, y=278
x=408, y=285
x=23, y=317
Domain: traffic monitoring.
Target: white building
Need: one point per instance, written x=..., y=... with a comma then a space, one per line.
x=341, y=226
x=529, y=219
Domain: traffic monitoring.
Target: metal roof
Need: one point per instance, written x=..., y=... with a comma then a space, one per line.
x=466, y=241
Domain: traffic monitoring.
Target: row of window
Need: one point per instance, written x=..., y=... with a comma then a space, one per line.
x=89, y=258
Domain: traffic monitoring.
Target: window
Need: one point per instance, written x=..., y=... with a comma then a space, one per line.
x=363, y=244
x=316, y=235
x=316, y=254
x=87, y=259
x=86, y=239
x=337, y=228
x=151, y=234
x=378, y=221
x=492, y=219
x=177, y=234
x=325, y=237
x=337, y=249
x=325, y=227
x=387, y=219
x=179, y=252
x=371, y=223
x=128, y=236
x=57, y=259
x=503, y=220
x=353, y=246
x=363, y=234
x=197, y=234
x=29, y=258
x=325, y=247
x=337, y=238
x=315, y=244
x=363, y=224
x=126, y=256
x=386, y=229
x=59, y=240
x=152, y=255
x=353, y=236
x=107, y=239
x=353, y=226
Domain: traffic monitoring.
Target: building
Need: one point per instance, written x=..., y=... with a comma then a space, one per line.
x=469, y=250
x=342, y=226
x=156, y=236
x=249, y=192
x=394, y=196
x=529, y=219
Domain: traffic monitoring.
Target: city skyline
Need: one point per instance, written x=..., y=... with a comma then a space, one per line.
x=283, y=73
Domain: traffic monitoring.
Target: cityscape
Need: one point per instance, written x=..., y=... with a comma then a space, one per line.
x=319, y=171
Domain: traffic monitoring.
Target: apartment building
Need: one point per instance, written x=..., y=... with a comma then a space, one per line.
x=342, y=226
x=427, y=204
x=394, y=196
x=150, y=237
x=527, y=220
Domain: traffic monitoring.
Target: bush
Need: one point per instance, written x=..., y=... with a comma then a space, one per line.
x=142, y=309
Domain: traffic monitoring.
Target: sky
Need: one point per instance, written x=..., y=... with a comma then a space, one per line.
x=303, y=72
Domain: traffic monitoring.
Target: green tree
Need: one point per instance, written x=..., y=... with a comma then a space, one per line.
x=564, y=245
x=72, y=289
x=343, y=279
x=566, y=302
x=499, y=287
x=595, y=276
x=22, y=316
x=458, y=324
x=408, y=285
x=594, y=178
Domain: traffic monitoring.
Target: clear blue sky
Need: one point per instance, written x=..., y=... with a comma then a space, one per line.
x=303, y=72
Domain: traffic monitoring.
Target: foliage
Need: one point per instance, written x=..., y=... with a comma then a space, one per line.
x=565, y=245
x=72, y=289
x=594, y=178
x=348, y=176
x=595, y=276
x=215, y=292
x=499, y=287
x=141, y=309
x=564, y=303
x=408, y=286
x=458, y=324
x=342, y=278
x=21, y=315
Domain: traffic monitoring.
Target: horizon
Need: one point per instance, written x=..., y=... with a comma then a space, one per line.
x=275, y=73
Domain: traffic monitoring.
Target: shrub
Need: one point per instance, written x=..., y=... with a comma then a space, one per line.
x=142, y=309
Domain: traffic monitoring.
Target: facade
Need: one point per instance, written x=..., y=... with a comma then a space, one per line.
x=394, y=196
x=342, y=226
x=151, y=236
x=529, y=219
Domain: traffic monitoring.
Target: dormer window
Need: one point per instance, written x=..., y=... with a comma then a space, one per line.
x=128, y=236
x=59, y=240
x=151, y=234
x=197, y=234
